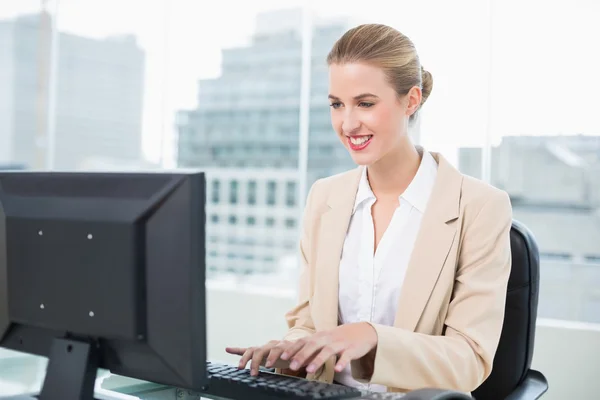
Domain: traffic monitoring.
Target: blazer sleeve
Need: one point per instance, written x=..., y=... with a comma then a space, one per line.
x=462, y=358
x=299, y=320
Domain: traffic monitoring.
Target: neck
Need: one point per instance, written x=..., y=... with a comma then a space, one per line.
x=391, y=175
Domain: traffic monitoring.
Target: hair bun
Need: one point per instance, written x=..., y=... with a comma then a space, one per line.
x=427, y=84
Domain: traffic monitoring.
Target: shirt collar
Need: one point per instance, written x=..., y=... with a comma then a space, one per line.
x=364, y=192
x=416, y=194
x=419, y=190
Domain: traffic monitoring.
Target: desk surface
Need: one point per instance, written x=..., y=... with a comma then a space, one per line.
x=22, y=374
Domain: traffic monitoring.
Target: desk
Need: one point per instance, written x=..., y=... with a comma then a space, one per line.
x=23, y=374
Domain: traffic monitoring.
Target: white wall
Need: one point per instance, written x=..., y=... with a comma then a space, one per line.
x=568, y=354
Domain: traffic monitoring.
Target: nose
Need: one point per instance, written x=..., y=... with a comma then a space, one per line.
x=350, y=124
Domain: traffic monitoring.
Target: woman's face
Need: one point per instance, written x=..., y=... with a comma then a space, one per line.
x=366, y=113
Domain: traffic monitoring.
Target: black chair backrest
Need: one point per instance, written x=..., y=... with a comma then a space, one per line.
x=515, y=350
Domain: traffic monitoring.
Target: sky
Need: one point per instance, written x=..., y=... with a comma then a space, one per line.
x=540, y=78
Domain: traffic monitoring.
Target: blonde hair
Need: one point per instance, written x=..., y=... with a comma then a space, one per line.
x=386, y=48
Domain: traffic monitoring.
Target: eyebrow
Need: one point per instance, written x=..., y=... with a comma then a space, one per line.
x=359, y=97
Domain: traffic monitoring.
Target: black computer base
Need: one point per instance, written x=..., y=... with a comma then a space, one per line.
x=71, y=371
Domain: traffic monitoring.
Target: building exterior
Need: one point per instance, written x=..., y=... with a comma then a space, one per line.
x=554, y=185
x=245, y=132
x=249, y=116
x=99, y=92
x=252, y=219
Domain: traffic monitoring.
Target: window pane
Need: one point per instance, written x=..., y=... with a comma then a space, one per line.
x=545, y=153
x=239, y=121
x=183, y=85
x=26, y=71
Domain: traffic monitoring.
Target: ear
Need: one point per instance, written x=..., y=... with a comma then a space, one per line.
x=413, y=98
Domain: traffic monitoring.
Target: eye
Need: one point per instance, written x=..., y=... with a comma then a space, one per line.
x=336, y=104
x=365, y=104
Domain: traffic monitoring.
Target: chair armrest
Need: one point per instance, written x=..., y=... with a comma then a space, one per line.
x=436, y=394
x=532, y=388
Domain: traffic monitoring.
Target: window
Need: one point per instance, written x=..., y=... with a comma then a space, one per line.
x=216, y=187
x=271, y=193
x=290, y=194
x=233, y=192
x=163, y=84
x=252, y=193
x=551, y=164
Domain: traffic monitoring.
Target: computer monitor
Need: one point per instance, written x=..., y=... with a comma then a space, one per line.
x=104, y=270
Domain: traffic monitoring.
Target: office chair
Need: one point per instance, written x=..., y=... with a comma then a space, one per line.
x=511, y=377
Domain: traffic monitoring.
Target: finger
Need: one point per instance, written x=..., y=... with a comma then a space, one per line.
x=292, y=349
x=308, y=350
x=246, y=357
x=275, y=353
x=239, y=351
x=344, y=359
x=257, y=360
x=325, y=354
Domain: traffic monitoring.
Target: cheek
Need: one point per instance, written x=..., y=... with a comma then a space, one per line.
x=336, y=122
x=381, y=121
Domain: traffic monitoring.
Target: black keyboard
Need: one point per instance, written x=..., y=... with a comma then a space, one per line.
x=232, y=383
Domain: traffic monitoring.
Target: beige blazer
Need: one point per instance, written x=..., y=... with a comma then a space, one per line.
x=451, y=306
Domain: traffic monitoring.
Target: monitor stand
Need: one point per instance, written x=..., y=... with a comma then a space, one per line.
x=71, y=371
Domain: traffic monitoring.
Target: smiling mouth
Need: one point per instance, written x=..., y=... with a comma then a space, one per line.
x=357, y=143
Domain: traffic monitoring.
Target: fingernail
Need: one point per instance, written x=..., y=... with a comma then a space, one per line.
x=285, y=356
x=268, y=364
x=294, y=365
x=311, y=368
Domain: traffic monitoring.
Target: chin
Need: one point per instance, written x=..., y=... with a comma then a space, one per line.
x=363, y=159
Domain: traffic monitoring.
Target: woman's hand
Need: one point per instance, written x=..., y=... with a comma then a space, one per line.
x=349, y=342
x=267, y=355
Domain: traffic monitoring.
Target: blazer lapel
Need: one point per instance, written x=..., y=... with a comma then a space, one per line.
x=332, y=233
x=434, y=240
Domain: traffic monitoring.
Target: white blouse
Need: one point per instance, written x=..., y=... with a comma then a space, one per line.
x=369, y=284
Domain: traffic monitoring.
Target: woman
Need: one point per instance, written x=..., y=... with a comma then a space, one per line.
x=405, y=260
